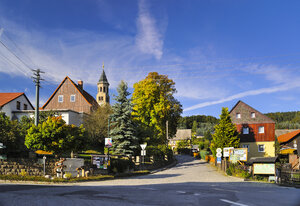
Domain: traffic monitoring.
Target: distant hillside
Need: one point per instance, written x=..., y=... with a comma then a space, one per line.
x=286, y=120
x=204, y=123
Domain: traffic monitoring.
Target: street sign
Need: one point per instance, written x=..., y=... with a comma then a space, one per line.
x=219, y=160
x=239, y=154
x=108, y=142
x=227, y=151
x=219, y=154
x=2, y=146
x=219, y=150
x=143, y=146
x=143, y=153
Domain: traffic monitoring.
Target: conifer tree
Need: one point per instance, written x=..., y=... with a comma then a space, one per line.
x=123, y=132
x=225, y=134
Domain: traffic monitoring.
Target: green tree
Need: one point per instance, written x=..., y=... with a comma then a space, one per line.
x=10, y=134
x=194, y=127
x=154, y=105
x=54, y=135
x=96, y=125
x=225, y=134
x=123, y=132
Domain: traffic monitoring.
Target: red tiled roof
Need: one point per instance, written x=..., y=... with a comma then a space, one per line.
x=288, y=136
x=8, y=97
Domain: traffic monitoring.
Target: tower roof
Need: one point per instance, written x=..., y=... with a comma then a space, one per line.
x=103, y=78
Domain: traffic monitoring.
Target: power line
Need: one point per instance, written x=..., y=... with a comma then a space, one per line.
x=11, y=62
x=20, y=49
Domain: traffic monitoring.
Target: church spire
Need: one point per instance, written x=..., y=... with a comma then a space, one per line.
x=103, y=89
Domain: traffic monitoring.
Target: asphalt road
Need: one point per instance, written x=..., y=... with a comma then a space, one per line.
x=190, y=182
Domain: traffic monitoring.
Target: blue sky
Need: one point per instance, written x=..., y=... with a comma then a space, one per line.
x=217, y=51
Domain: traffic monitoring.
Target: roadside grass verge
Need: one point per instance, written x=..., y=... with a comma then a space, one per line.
x=70, y=180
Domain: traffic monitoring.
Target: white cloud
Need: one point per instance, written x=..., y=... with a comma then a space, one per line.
x=279, y=88
x=149, y=38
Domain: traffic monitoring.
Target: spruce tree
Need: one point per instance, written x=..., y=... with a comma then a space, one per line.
x=225, y=134
x=123, y=133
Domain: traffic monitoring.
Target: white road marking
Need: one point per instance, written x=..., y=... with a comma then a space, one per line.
x=196, y=194
x=181, y=192
x=234, y=203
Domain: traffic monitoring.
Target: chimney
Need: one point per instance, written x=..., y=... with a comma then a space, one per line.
x=80, y=84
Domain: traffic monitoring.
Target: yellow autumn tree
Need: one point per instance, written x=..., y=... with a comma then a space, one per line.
x=154, y=105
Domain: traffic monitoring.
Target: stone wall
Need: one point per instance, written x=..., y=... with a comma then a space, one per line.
x=25, y=166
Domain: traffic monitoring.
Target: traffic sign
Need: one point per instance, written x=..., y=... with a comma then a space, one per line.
x=219, y=160
x=219, y=154
x=219, y=150
x=143, y=153
x=143, y=146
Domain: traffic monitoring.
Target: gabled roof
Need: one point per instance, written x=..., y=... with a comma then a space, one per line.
x=287, y=137
x=89, y=99
x=8, y=97
x=266, y=118
x=182, y=134
x=103, y=78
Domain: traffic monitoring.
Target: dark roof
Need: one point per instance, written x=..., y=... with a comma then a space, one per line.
x=85, y=95
x=243, y=104
x=262, y=160
x=103, y=78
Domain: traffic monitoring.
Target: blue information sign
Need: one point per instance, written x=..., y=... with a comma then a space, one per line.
x=219, y=159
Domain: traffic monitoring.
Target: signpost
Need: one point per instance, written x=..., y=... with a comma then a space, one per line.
x=108, y=142
x=219, y=155
x=143, y=152
x=44, y=161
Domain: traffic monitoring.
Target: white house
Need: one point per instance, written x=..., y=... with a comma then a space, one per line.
x=15, y=105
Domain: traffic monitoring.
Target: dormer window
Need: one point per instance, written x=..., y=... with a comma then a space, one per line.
x=25, y=107
x=252, y=114
x=238, y=115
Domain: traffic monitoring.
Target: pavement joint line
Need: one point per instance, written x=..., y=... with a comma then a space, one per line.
x=220, y=189
x=234, y=203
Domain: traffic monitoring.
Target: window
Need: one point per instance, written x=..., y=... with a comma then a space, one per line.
x=238, y=115
x=25, y=107
x=18, y=105
x=101, y=98
x=103, y=89
x=72, y=98
x=245, y=130
x=246, y=146
x=252, y=114
x=261, y=130
x=100, y=89
x=61, y=98
x=261, y=148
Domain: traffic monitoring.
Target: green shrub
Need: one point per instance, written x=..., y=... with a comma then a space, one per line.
x=68, y=175
x=229, y=172
x=203, y=153
x=121, y=165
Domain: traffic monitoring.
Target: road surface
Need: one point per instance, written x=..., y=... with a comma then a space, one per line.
x=190, y=182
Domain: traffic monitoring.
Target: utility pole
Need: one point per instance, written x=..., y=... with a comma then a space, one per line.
x=37, y=78
x=167, y=132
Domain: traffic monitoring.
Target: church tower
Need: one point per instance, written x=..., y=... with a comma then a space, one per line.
x=103, y=89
